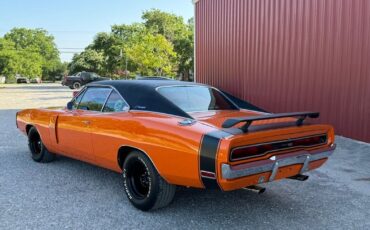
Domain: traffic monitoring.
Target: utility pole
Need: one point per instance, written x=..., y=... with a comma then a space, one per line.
x=126, y=60
x=126, y=71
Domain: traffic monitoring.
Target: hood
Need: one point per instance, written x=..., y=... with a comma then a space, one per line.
x=103, y=78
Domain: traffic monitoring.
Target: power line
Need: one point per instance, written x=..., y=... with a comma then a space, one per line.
x=65, y=31
x=59, y=48
x=36, y=51
x=71, y=48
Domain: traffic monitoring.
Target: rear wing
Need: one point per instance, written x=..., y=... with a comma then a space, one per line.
x=301, y=116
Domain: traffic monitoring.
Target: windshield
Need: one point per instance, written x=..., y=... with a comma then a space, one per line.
x=196, y=98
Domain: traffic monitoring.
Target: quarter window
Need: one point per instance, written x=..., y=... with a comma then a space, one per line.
x=77, y=99
x=115, y=103
x=94, y=98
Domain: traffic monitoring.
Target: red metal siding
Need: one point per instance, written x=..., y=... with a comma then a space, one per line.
x=290, y=55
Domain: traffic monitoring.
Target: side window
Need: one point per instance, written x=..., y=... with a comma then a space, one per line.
x=77, y=99
x=85, y=76
x=94, y=98
x=94, y=76
x=115, y=103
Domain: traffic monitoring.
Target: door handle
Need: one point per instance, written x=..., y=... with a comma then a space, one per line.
x=86, y=122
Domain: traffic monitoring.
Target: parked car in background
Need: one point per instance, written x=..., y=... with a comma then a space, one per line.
x=2, y=79
x=36, y=80
x=80, y=79
x=22, y=80
x=57, y=78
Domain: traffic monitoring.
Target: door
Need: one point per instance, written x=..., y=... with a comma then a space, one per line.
x=74, y=126
x=86, y=78
x=108, y=128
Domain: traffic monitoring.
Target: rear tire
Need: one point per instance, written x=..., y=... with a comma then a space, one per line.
x=38, y=150
x=144, y=187
x=76, y=85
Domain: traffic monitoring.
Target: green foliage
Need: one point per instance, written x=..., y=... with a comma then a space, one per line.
x=28, y=52
x=176, y=31
x=169, y=25
x=60, y=70
x=24, y=62
x=153, y=54
x=161, y=45
x=89, y=60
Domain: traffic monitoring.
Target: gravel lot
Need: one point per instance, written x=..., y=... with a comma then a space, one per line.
x=22, y=96
x=71, y=194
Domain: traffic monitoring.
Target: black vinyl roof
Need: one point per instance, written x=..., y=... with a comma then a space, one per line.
x=142, y=94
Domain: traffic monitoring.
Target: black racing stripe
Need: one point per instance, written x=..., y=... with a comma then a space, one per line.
x=208, y=153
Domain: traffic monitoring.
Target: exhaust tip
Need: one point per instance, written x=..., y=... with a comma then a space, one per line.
x=262, y=190
x=299, y=177
x=255, y=188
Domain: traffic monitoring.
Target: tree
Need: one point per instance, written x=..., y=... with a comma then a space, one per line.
x=153, y=54
x=169, y=25
x=8, y=58
x=15, y=61
x=60, y=70
x=89, y=60
x=181, y=35
x=162, y=44
x=112, y=46
x=33, y=47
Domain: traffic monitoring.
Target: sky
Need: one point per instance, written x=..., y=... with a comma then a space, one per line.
x=74, y=23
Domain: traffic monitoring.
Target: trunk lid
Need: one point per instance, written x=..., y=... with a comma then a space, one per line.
x=279, y=131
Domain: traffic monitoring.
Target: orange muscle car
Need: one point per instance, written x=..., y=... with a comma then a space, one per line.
x=163, y=133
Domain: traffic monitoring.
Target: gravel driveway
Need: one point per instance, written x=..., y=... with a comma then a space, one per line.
x=71, y=194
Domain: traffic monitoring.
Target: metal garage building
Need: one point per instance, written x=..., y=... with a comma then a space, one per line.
x=290, y=55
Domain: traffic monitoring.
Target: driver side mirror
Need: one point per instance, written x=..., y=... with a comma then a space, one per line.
x=70, y=105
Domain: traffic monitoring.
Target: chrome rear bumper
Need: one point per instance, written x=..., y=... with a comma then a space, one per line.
x=275, y=162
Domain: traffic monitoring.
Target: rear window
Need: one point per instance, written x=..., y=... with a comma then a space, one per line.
x=196, y=98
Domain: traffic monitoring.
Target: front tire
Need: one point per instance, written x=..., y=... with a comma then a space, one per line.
x=38, y=150
x=144, y=187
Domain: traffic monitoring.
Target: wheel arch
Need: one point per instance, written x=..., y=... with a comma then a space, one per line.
x=125, y=150
x=28, y=127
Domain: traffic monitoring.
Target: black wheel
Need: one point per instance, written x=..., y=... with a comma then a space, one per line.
x=38, y=150
x=144, y=187
x=76, y=85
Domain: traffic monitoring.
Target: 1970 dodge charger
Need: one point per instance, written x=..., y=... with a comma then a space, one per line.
x=163, y=133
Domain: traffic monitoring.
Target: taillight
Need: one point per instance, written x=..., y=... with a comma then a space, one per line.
x=245, y=152
x=75, y=93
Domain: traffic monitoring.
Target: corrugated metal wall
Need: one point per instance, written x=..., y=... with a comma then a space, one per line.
x=290, y=55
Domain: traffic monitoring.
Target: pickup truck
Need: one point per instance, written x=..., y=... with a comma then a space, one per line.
x=80, y=79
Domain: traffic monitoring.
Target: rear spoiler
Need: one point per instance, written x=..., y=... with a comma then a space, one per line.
x=301, y=116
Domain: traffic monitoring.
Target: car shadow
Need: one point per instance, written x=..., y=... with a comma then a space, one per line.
x=199, y=205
